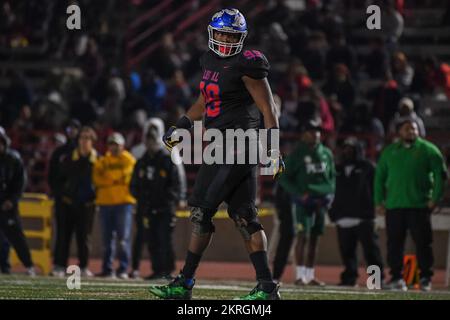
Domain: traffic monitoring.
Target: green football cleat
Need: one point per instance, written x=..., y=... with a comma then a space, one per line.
x=258, y=294
x=176, y=290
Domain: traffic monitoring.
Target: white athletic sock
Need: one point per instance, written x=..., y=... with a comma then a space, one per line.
x=301, y=272
x=309, y=274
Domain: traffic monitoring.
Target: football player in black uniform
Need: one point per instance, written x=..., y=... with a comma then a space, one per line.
x=234, y=91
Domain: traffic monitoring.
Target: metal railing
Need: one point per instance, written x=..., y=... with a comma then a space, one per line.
x=134, y=40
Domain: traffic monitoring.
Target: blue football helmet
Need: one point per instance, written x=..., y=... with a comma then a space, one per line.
x=227, y=21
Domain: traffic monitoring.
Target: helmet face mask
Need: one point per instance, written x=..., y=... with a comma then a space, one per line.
x=227, y=21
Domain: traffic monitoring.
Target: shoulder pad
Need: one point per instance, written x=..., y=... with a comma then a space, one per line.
x=254, y=64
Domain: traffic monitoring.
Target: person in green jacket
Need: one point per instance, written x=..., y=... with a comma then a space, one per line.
x=409, y=182
x=310, y=178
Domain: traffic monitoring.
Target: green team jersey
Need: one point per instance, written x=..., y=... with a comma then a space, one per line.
x=309, y=170
x=409, y=177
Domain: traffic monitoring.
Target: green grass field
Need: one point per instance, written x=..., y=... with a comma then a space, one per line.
x=22, y=287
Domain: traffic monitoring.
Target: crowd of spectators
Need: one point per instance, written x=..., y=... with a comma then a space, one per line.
x=316, y=71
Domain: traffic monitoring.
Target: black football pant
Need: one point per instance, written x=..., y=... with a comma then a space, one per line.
x=418, y=222
x=233, y=184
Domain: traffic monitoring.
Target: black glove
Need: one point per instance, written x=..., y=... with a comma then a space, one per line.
x=277, y=163
x=276, y=160
x=168, y=139
x=169, y=142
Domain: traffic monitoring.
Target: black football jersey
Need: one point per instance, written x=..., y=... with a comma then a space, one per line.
x=228, y=103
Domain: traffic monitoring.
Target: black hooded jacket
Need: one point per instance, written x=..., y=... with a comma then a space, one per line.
x=354, y=189
x=156, y=183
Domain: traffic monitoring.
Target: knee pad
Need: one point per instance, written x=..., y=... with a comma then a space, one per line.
x=201, y=220
x=246, y=221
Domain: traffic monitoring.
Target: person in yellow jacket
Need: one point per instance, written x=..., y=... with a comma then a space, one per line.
x=111, y=176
